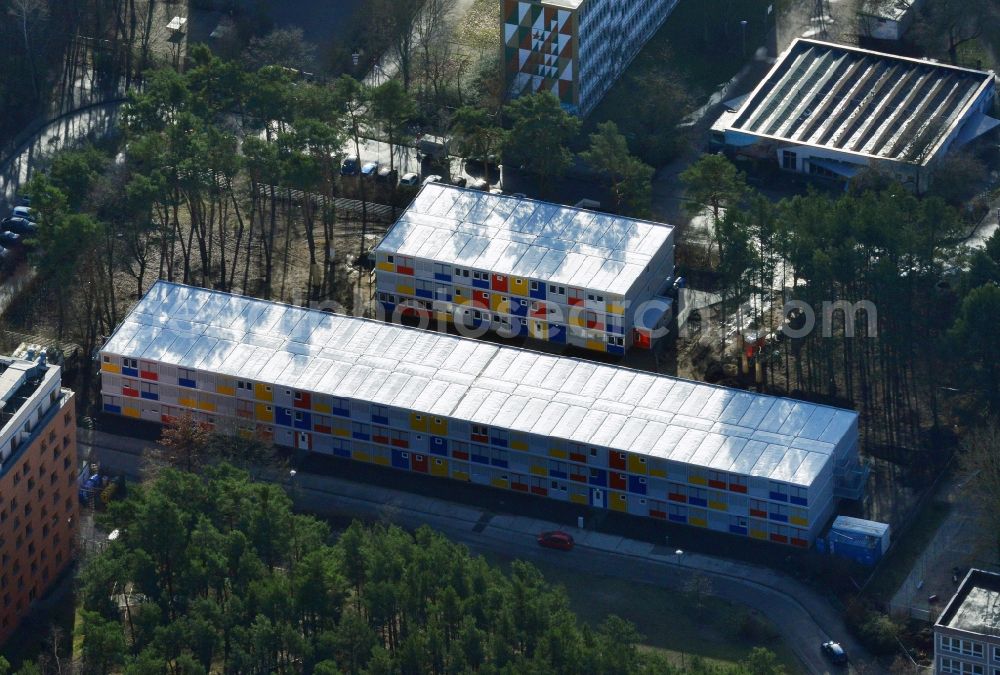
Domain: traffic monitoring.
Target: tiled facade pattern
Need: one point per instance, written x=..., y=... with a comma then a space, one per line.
x=525, y=268
x=398, y=418
x=576, y=49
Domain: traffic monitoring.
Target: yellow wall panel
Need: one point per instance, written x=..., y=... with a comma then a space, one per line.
x=381, y=460
x=519, y=445
x=698, y=480
x=404, y=289
x=758, y=534
x=206, y=405
x=519, y=286
x=615, y=308
x=130, y=412
x=556, y=452
x=261, y=413
x=439, y=426
x=460, y=475
x=440, y=470
x=110, y=368
x=659, y=473
x=795, y=520
x=617, y=502
x=418, y=422
x=697, y=522
x=578, y=499
x=322, y=408
x=718, y=506
x=386, y=267
x=596, y=345
x=340, y=431
x=261, y=393
x=225, y=391
x=187, y=402
x=361, y=456
x=636, y=464
x=499, y=483
x=538, y=470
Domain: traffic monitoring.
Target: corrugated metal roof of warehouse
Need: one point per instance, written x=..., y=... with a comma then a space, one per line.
x=511, y=235
x=439, y=374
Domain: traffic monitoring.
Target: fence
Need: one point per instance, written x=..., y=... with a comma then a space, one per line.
x=384, y=213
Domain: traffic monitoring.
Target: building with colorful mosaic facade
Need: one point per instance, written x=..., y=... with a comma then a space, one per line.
x=575, y=49
x=527, y=268
x=596, y=435
x=38, y=468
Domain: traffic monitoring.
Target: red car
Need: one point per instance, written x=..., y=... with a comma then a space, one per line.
x=556, y=539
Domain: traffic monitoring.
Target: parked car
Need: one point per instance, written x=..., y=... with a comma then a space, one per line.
x=369, y=169
x=21, y=226
x=459, y=182
x=834, y=652
x=410, y=179
x=25, y=212
x=386, y=175
x=8, y=239
x=556, y=539
x=433, y=178
x=349, y=167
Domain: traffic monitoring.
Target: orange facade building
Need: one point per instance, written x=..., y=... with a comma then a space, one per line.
x=39, y=509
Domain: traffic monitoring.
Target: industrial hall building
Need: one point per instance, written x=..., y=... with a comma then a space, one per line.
x=38, y=471
x=431, y=403
x=831, y=110
x=522, y=267
x=575, y=49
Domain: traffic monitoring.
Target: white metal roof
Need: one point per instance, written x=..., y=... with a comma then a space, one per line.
x=859, y=102
x=441, y=374
x=525, y=238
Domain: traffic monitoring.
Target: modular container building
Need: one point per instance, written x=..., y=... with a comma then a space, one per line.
x=524, y=267
x=432, y=403
x=863, y=541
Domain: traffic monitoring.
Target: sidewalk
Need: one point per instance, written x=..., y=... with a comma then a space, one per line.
x=804, y=617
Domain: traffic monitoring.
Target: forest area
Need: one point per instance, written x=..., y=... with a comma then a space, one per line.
x=217, y=574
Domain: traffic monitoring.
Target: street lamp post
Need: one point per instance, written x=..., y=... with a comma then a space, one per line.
x=678, y=553
x=743, y=26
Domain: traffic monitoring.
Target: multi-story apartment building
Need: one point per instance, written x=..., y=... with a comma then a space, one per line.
x=431, y=403
x=967, y=634
x=524, y=267
x=576, y=49
x=38, y=470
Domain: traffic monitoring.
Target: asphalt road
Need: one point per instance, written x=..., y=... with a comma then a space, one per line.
x=801, y=616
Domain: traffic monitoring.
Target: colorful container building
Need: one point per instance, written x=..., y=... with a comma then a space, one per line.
x=576, y=49
x=563, y=275
x=38, y=469
x=431, y=403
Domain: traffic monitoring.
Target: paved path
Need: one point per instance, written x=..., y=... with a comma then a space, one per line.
x=94, y=121
x=803, y=617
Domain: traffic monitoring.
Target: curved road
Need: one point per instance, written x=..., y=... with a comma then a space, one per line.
x=91, y=121
x=803, y=617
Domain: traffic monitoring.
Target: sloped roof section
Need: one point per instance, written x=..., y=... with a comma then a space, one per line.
x=526, y=238
x=440, y=374
x=862, y=102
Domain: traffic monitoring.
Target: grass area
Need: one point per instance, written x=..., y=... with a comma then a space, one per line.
x=701, y=43
x=897, y=565
x=977, y=54
x=671, y=621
